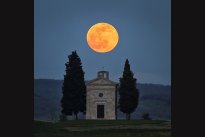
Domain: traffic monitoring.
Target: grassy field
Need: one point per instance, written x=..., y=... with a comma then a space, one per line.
x=103, y=128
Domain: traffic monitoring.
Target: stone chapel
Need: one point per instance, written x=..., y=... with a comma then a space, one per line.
x=101, y=97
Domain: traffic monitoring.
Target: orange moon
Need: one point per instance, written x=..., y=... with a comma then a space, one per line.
x=102, y=37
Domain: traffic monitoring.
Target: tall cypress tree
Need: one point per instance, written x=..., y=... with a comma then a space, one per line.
x=74, y=89
x=129, y=94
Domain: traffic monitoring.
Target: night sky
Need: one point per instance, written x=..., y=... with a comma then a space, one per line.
x=144, y=29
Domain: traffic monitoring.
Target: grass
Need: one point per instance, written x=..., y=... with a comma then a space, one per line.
x=103, y=128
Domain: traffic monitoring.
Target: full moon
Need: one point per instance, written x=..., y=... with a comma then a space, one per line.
x=102, y=37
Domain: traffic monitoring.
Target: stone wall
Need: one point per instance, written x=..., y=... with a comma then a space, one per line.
x=93, y=99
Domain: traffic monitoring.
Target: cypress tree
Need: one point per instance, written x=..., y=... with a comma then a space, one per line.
x=129, y=94
x=74, y=89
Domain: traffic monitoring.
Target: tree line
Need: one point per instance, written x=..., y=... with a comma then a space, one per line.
x=74, y=89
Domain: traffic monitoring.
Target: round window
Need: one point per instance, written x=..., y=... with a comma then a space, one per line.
x=100, y=94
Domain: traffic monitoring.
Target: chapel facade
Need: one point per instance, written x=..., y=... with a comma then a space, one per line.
x=101, y=97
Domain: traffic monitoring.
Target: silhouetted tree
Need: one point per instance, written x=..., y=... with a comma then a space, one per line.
x=129, y=94
x=74, y=89
x=146, y=116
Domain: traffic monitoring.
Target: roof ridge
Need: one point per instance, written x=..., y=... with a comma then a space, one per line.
x=90, y=81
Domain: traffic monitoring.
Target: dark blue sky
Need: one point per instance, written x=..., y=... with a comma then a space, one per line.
x=144, y=28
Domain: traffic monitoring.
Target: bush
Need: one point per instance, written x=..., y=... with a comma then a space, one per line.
x=146, y=116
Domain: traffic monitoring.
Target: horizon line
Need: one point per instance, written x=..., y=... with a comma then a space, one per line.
x=88, y=80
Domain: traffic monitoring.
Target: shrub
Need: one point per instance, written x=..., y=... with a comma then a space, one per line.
x=146, y=116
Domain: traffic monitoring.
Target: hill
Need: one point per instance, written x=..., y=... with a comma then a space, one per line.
x=154, y=99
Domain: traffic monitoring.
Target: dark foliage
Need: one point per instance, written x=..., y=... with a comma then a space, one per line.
x=74, y=89
x=129, y=94
x=146, y=116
